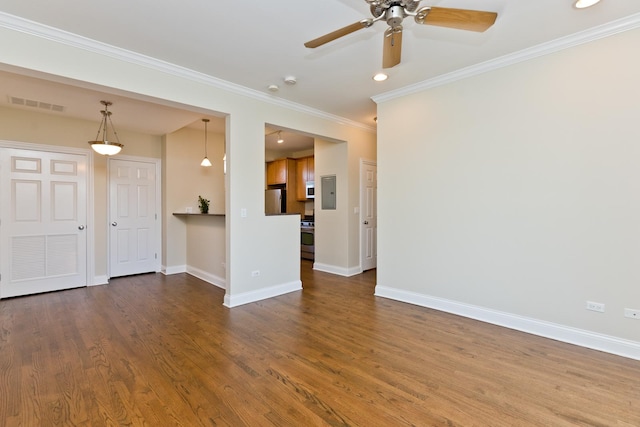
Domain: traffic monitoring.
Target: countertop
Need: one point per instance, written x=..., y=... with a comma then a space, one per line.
x=196, y=214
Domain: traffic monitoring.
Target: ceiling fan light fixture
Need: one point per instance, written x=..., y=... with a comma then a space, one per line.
x=582, y=4
x=393, y=13
x=104, y=146
x=205, y=162
x=380, y=77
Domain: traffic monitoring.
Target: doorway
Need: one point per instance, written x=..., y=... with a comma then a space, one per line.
x=134, y=222
x=368, y=214
x=43, y=231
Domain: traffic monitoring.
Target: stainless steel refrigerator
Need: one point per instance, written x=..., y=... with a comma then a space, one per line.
x=275, y=201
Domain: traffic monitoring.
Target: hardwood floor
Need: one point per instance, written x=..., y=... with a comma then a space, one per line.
x=154, y=350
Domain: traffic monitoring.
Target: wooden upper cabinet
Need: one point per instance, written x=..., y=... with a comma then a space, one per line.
x=310, y=170
x=277, y=172
x=304, y=173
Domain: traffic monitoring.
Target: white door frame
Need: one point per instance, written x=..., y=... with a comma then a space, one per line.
x=158, y=227
x=360, y=214
x=91, y=264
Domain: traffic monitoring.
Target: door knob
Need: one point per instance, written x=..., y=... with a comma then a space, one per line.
x=366, y=222
x=81, y=227
x=114, y=223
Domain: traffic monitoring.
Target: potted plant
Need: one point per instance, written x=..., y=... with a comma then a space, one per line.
x=203, y=204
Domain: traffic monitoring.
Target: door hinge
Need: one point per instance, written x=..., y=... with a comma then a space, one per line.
x=156, y=255
x=156, y=216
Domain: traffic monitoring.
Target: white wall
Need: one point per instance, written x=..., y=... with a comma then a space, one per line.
x=255, y=242
x=518, y=191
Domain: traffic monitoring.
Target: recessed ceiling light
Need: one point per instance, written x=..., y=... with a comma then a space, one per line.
x=380, y=77
x=581, y=4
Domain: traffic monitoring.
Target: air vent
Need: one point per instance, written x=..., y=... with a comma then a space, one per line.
x=14, y=100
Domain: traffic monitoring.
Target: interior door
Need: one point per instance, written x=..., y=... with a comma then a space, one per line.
x=43, y=236
x=133, y=236
x=368, y=215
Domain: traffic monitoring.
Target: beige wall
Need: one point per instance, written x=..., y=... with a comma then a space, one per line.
x=187, y=241
x=518, y=190
x=206, y=252
x=332, y=227
x=56, y=129
x=338, y=231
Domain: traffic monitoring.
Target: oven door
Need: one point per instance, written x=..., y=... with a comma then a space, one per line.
x=307, y=243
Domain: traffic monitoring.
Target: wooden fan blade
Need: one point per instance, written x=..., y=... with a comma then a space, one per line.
x=461, y=19
x=338, y=33
x=392, y=50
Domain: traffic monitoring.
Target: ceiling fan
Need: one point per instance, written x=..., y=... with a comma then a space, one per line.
x=394, y=11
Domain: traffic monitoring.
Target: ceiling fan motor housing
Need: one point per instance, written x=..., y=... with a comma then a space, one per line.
x=380, y=7
x=394, y=16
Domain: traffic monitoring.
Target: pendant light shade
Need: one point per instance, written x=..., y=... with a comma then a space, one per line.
x=205, y=162
x=104, y=146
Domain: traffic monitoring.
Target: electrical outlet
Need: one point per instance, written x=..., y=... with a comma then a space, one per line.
x=255, y=273
x=631, y=313
x=595, y=306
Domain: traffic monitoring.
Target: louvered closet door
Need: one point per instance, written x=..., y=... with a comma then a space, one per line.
x=43, y=230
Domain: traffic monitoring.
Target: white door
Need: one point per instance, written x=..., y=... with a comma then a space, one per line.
x=368, y=215
x=133, y=218
x=43, y=236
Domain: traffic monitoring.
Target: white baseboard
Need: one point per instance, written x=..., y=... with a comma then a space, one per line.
x=99, y=280
x=583, y=338
x=174, y=269
x=253, y=296
x=334, y=269
x=207, y=277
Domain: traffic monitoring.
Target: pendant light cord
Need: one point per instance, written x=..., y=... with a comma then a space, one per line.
x=106, y=115
x=205, y=137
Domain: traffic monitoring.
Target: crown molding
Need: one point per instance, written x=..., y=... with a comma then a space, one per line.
x=614, y=27
x=46, y=32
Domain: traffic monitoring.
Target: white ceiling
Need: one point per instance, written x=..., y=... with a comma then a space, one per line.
x=257, y=43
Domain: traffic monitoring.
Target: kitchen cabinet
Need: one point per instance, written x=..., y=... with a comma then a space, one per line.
x=281, y=174
x=304, y=173
x=277, y=172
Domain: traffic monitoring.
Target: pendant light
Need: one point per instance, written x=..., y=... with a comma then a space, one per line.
x=105, y=147
x=205, y=162
x=280, y=140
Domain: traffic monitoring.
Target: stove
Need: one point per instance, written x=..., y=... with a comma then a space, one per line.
x=307, y=221
x=307, y=239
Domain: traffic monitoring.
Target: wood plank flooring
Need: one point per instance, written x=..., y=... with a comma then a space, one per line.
x=152, y=350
